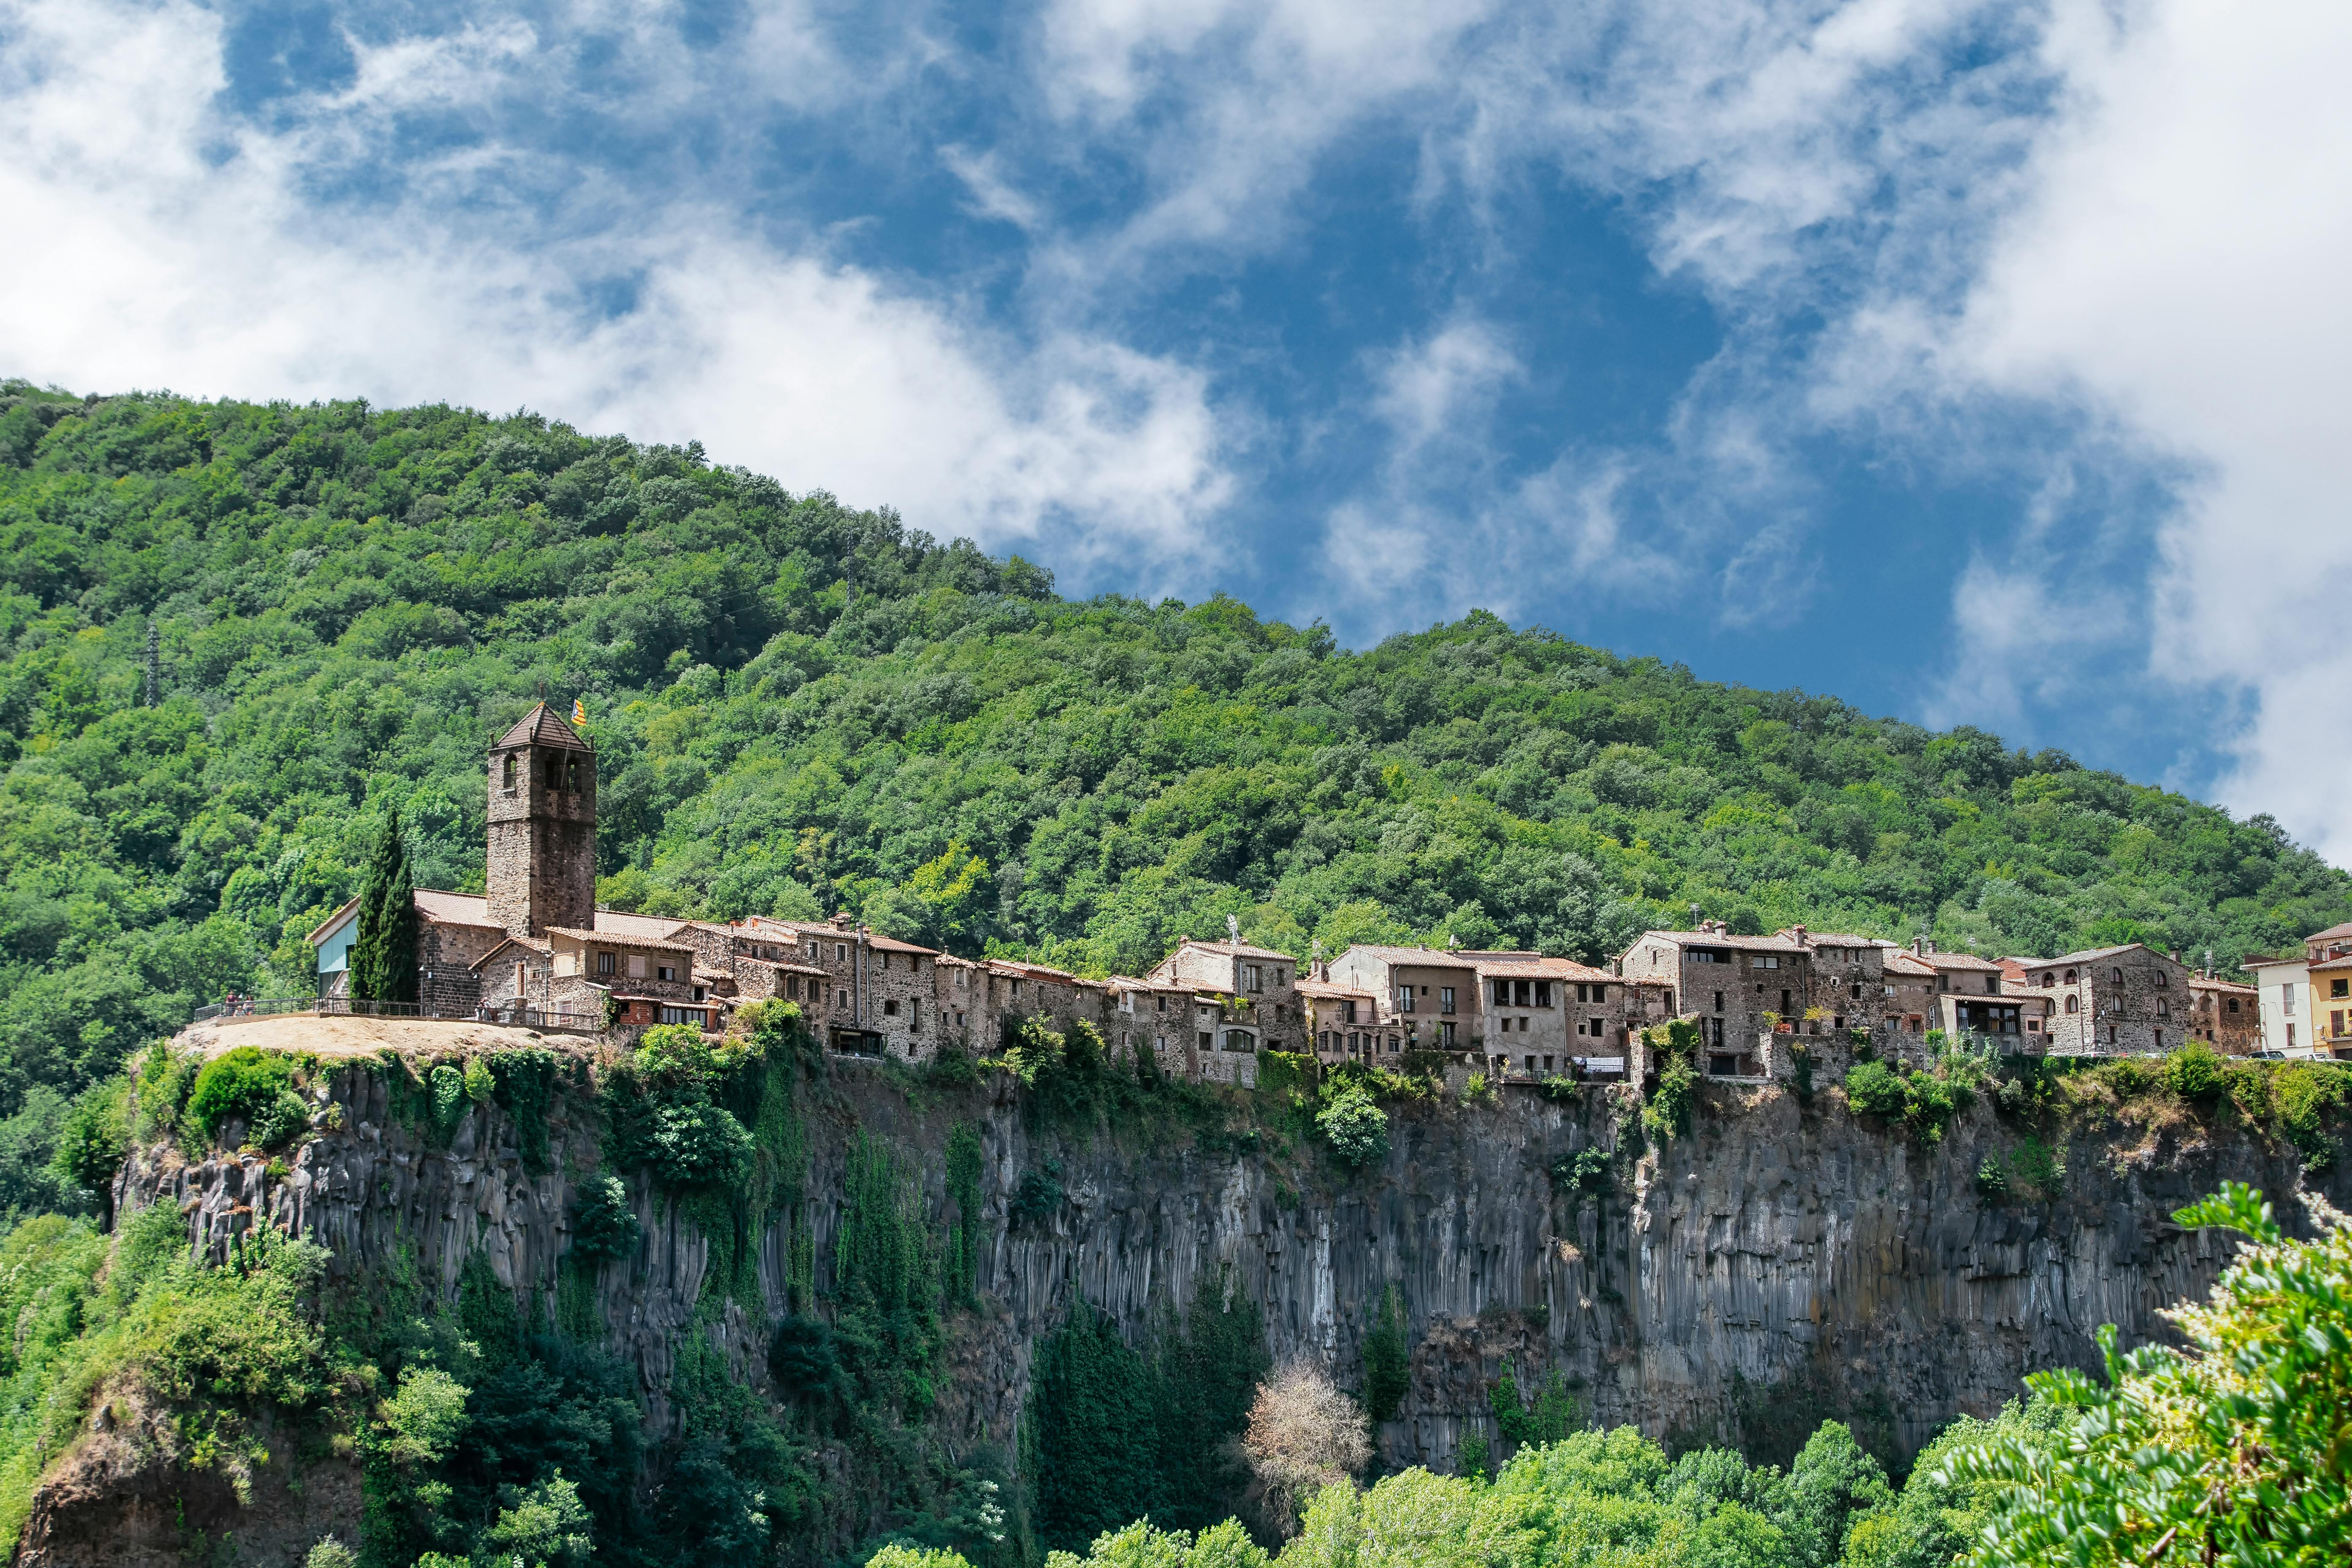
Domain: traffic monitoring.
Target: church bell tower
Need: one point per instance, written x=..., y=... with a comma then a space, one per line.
x=542, y=859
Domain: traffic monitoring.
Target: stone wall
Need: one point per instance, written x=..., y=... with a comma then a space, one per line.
x=1775, y=1247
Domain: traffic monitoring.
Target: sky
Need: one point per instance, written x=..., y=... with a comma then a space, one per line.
x=1976, y=363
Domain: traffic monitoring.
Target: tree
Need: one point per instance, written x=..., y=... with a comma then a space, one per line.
x=1388, y=1359
x=383, y=957
x=2234, y=1451
x=1304, y=1435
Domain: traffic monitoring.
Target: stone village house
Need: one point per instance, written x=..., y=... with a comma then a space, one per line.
x=533, y=948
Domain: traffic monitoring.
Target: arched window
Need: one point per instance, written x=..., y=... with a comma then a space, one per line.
x=2069, y=1004
x=508, y=779
x=2070, y=977
x=2048, y=979
x=2160, y=979
x=2119, y=975
x=572, y=776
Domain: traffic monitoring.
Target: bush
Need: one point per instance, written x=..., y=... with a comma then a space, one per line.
x=1037, y=1197
x=1357, y=1130
x=604, y=1224
x=249, y=1085
x=2306, y=1095
x=694, y=1144
x=2195, y=1072
x=1873, y=1091
x=95, y=1137
x=1033, y=1050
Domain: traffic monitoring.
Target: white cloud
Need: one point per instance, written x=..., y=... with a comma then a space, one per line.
x=2180, y=267
x=177, y=248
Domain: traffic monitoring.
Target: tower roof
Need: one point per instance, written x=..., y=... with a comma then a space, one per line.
x=542, y=726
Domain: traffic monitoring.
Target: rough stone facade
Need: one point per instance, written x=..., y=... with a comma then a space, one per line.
x=2115, y=1002
x=2225, y=1016
x=542, y=828
x=1737, y=988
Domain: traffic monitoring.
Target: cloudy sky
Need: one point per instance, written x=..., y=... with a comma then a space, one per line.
x=1976, y=363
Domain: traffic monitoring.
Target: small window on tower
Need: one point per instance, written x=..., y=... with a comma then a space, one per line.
x=551, y=767
x=508, y=776
x=572, y=776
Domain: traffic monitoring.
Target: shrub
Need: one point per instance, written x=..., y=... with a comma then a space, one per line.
x=603, y=1222
x=1357, y=1130
x=1388, y=1358
x=1033, y=1050
x=95, y=1137
x=1478, y=1090
x=695, y=1144
x=249, y=1085
x=2306, y=1093
x=1304, y=1435
x=1037, y=1197
x=2194, y=1072
x=1873, y=1091
x=674, y=1056
x=1992, y=1177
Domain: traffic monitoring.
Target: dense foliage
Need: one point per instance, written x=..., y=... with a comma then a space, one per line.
x=349, y=601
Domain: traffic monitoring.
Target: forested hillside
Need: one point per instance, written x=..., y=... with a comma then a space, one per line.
x=800, y=706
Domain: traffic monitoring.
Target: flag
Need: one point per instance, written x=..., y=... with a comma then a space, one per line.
x=579, y=711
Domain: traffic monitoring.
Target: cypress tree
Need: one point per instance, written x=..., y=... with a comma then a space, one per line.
x=384, y=956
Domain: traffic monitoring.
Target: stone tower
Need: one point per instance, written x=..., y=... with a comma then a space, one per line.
x=542, y=867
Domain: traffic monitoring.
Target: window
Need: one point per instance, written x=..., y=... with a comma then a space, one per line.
x=506, y=779
x=2286, y=994
x=2070, y=977
x=1546, y=1064
x=2163, y=1008
x=889, y=1008
x=2117, y=975
x=1543, y=993
x=841, y=996
x=636, y=966
x=2290, y=1036
x=2336, y=1022
x=604, y=962
x=1404, y=998
x=2161, y=978
x=1445, y=1037
x=793, y=986
x=1255, y=974
x=2070, y=1005
x=697, y=1016
x=519, y=991
x=1992, y=985
x=664, y=972
x=2049, y=979
x=2339, y=987
x=552, y=775
x=1531, y=1064
x=841, y=952
x=701, y=993
x=1768, y=960
x=1718, y=1001
x=1204, y=1039
x=1445, y=1000
x=1347, y=1011
x=2233, y=1004
x=572, y=776
x=2160, y=1039
x=963, y=979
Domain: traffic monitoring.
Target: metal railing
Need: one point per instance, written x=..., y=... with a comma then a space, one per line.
x=344, y=1007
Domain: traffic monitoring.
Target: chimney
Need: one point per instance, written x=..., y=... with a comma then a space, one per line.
x=1919, y=947
x=1799, y=932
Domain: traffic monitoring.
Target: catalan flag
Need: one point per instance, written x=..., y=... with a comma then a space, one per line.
x=579, y=711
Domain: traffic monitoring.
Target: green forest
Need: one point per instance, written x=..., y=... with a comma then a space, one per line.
x=236, y=640
x=233, y=637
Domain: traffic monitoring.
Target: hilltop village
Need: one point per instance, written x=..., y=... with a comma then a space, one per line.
x=535, y=949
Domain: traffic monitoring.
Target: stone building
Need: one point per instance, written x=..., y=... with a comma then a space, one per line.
x=2224, y=1015
x=543, y=834
x=2115, y=1001
x=1433, y=994
x=1909, y=1004
x=1737, y=989
x=1541, y=1017
x=1349, y=1022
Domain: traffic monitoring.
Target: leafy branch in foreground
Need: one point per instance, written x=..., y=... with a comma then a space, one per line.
x=2236, y=1451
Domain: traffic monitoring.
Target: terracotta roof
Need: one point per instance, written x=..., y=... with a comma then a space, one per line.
x=529, y=943
x=2213, y=983
x=1724, y=939
x=1958, y=961
x=2319, y=963
x=2344, y=929
x=1423, y=955
x=456, y=909
x=617, y=939
x=2092, y=955
x=1900, y=960
x=1540, y=968
x=542, y=726
x=2292, y=962
x=1336, y=992
x=826, y=930
x=1232, y=949
x=1829, y=938
x=622, y=923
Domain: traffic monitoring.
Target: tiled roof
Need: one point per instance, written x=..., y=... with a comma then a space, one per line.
x=1235, y=948
x=2214, y=982
x=455, y=908
x=1423, y=955
x=1724, y=939
x=542, y=726
x=786, y=966
x=2092, y=955
x=1536, y=967
x=622, y=925
x=528, y=943
x=1957, y=961
x=826, y=930
x=1334, y=991
x=618, y=939
x=1900, y=960
x=2344, y=929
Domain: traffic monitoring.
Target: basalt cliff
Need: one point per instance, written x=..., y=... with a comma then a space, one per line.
x=1779, y=1262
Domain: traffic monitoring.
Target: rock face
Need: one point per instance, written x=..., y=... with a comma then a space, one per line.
x=1843, y=1266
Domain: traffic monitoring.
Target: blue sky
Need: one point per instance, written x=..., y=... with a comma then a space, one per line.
x=1977, y=363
